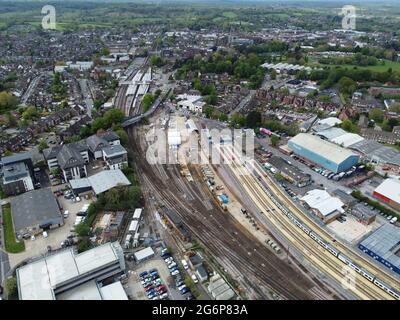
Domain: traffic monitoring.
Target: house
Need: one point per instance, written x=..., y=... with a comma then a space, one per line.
x=192, y=103
x=115, y=156
x=17, y=172
x=97, y=143
x=70, y=158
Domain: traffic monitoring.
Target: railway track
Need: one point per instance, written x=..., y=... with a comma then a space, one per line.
x=302, y=242
x=222, y=235
x=356, y=257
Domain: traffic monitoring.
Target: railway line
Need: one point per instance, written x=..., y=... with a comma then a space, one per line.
x=364, y=288
x=316, y=254
x=223, y=237
x=355, y=256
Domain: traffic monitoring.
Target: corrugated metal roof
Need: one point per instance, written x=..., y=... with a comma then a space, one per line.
x=384, y=242
x=323, y=202
x=324, y=148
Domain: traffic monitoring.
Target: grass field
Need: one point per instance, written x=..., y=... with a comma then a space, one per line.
x=378, y=68
x=12, y=245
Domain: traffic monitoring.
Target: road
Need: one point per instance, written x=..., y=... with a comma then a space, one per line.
x=30, y=89
x=86, y=95
x=255, y=183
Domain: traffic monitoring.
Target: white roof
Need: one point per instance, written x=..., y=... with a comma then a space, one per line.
x=137, y=213
x=316, y=145
x=347, y=139
x=390, y=188
x=133, y=226
x=331, y=121
x=107, y=179
x=143, y=254
x=113, y=291
x=86, y=291
x=323, y=202
x=37, y=280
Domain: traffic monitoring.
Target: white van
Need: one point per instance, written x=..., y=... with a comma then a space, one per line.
x=185, y=265
x=194, y=278
x=66, y=214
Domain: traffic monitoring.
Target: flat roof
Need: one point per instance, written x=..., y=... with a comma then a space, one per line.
x=87, y=291
x=322, y=147
x=37, y=280
x=35, y=208
x=390, y=188
x=114, y=291
x=108, y=179
x=137, y=213
x=144, y=253
x=385, y=242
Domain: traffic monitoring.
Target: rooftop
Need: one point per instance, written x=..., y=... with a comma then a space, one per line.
x=390, y=188
x=323, y=202
x=385, y=242
x=316, y=145
x=108, y=179
x=39, y=279
x=34, y=208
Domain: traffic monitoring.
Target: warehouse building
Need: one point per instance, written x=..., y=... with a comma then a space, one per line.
x=323, y=153
x=384, y=245
x=66, y=275
x=34, y=212
x=389, y=192
x=323, y=205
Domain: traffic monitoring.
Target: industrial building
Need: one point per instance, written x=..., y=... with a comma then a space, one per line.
x=323, y=153
x=290, y=172
x=34, y=212
x=323, y=205
x=66, y=275
x=389, y=192
x=384, y=246
x=99, y=182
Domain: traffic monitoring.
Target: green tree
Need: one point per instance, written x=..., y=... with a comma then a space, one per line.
x=113, y=116
x=274, y=140
x=147, y=101
x=376, y=114
x=29, y=113
x=253, y=119
x=42, y=145
x=11, y=288
x=123, y=136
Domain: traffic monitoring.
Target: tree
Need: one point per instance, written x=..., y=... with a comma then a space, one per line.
x=123, y=136
x=11, y=288
x=347, y=85
x=147, y=100
x=209, y=111
x=113, y=116
x=253, y=119
x=349, y=126
x=98, y=123
x=274, y=140
x=29, y=113
x=376, y=114
x=82, y=229
x=42, y=145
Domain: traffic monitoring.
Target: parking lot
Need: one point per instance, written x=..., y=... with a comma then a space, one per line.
x=136, y=290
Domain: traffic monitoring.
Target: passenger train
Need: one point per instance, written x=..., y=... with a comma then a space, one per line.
x=331, y=249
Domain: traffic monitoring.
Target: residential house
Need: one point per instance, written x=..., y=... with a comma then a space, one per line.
x=115, y=156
